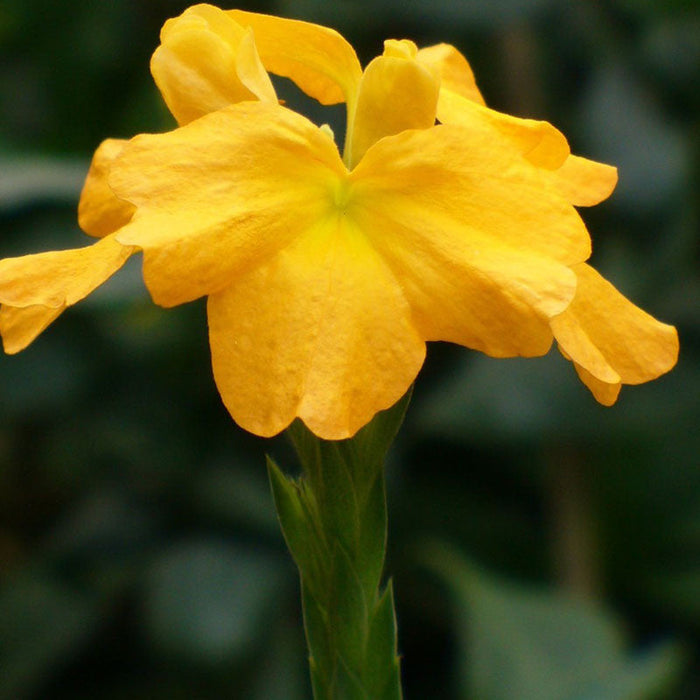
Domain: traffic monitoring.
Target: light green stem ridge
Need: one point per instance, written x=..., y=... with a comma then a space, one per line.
x=334, y=519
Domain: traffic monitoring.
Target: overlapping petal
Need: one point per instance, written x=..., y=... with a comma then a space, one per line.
x=100, y=212
x=223, y=194
x=206, y=61
x=35, y=289
x=318, y=59
x=460, y=98
x=610, y=340
x=396, y=93
x=480, y=240
x=321, y=331
x=540, y=142
x=466, y=177
x=585, y=182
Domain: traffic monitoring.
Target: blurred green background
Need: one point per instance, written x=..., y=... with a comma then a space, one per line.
x=543, y=547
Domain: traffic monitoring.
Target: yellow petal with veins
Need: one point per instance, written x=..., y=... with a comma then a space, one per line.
x=206, y=61
x=470, y=180
x=477, y=236
x=35, y=289
x=318, y=59
x=60, y=278
x=321, y=331
x=100, y=212
x=472, y=291
x=222, y=194
x=610, y=340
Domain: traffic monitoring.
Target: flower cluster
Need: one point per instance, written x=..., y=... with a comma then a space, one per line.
x=326, y=273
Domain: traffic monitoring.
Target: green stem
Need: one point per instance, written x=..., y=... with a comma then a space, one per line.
x=334, y=520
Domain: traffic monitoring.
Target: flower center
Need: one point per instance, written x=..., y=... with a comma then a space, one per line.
x=342, y=195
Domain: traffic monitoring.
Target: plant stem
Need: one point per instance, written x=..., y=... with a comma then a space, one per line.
x=334, y=520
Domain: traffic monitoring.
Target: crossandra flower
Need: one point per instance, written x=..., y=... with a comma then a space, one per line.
x=326, y=274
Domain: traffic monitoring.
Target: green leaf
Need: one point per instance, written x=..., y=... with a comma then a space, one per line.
x=347, y=686
x=365, y=451
x=297, y=521
x=646, y=675
x=383, y=662
x=307, y=446
x=371, y=444
x=349, y=612
x=337, y=494
x=318, y=630
x=372, y=537
x=541, y=645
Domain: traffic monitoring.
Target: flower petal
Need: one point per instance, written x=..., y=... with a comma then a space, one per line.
x=465, y=289
x=100, y=212
x=605, y=393
x=454, y=70
x=223, y=193
x=322, y=331
x=60, y=278
x=206, y=61
x=20, y=326
x=316, y=58
x=479, y=238
x=538, y=141
x=570, y=334
x=468, y=179
x=396, y=93
x=610, y=340
x=585, y=182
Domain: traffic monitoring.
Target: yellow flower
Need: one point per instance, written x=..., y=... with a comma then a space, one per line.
x=206, y=61
x=326, y=275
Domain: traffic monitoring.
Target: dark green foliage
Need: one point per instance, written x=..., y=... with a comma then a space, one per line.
x=542, y=645
x=132, y=508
